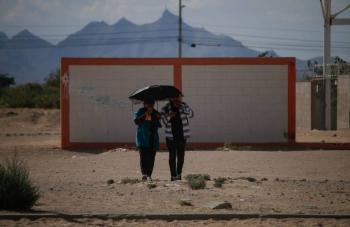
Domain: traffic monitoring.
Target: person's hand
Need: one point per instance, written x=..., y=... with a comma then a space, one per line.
x=149, y=112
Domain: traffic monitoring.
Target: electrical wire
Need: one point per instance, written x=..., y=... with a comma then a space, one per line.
x=167, y=39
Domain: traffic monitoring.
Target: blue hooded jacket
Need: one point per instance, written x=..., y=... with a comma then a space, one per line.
x=143, y=134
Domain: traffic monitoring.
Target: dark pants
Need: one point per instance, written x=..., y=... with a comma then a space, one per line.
x=147, y=157
x=176, y=156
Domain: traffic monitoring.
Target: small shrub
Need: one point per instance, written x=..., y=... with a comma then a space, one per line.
x=151, y=185
x=17, y=192
x=197, y=176
x=185, y=202
x=128, y=180
x=218, y=182
x=110, y=181
x=206, y=176
x=251, y=179
x=197, y=183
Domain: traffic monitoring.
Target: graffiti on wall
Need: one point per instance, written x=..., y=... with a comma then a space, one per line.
x=102, y=100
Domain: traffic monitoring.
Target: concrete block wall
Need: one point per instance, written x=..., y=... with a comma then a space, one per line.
x=343, y=102
x=303, y=106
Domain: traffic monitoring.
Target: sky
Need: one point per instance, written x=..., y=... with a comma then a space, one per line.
x=290, y=27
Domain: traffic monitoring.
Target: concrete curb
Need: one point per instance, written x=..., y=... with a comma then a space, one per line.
x=170, y=217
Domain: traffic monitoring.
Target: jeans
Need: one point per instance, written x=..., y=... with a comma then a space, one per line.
x=147, y=157
x=176, y=156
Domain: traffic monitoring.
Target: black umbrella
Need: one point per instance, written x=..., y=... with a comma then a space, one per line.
x=155, y=92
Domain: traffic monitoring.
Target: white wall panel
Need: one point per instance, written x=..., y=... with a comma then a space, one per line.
x=99, y=108
x=237, y=103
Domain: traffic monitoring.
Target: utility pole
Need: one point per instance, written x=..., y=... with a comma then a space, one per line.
x=180, y=28
x=329, y=19
x=326, y=63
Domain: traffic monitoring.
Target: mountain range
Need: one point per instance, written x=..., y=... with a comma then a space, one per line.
x=29, y=58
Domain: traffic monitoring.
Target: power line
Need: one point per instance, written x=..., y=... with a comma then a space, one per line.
x=97, y=33
x=121, y=42
x=221, y=41
x=274, y=37
x=268, y=28
x=173, y=39
x=82, y=36
x=175, y=23
x=271, y=47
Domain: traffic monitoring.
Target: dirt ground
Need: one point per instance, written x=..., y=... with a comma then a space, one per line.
x=319, y=136
x=304, y=182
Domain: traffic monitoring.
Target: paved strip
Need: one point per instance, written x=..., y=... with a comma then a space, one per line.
x=170, y=217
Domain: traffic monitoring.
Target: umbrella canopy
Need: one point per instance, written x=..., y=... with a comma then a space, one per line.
x=155, y=92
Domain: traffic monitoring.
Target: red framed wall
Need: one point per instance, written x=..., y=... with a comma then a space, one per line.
x=177, y=79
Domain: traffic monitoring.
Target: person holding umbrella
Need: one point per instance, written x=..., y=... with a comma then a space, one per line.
x=147, y=121
x=147, y=138
x=177, y=131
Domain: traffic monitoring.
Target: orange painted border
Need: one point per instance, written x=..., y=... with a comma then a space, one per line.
x=291, y=101
x=177, y=63
x=64, y=93
x=178, y=76
x=181, y=61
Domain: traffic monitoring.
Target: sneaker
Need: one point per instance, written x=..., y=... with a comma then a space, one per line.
x=178, y=177
x=144, y=178
x=173, y=179
x=149, y=179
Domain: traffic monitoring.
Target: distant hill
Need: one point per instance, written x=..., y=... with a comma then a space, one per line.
x=30, y=59
x=3, y=39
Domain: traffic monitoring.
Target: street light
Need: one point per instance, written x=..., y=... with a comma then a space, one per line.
x=194, y=45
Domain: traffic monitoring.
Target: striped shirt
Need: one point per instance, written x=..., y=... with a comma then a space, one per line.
x=185, y=113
